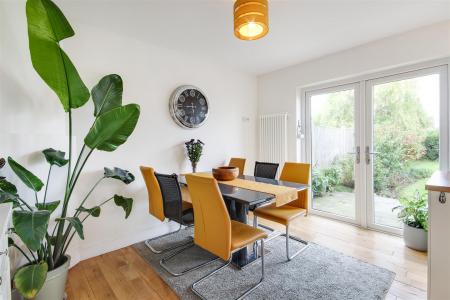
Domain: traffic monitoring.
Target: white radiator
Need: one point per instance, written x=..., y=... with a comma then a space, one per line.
x=273, y=138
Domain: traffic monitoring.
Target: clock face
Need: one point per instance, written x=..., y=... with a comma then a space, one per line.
x=189, y=107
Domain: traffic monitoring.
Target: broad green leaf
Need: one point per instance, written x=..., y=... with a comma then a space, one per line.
x=6, y=197
x=47, y=26
x=94, y=211
x=26, y=176
x=31, y=226
x=8, y=193
x=55, y=157
x=125, y=203
x=50, y=206
x=30, y=279
x=120, y=174
x=112, y=129
x=76, y=223
x=107, y=94
x=7, y=186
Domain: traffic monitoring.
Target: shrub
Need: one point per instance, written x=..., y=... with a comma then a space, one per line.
x=333, y=176
x=319, y=183
x=347, y=166
x=431, y=144
x=388, y=166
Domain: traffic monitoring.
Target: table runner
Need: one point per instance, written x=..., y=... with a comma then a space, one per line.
x=283, y=194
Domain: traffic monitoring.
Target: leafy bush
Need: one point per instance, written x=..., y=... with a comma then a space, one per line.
x=333, y=176
x=389, y=168
x=347, y=167
x=319, y=183
x=414, y=212
x=431, y=144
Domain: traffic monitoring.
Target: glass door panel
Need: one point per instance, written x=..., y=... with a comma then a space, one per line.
x=332, y=152
x=405, y=143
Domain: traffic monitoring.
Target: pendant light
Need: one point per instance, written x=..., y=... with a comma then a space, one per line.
x=251, y=19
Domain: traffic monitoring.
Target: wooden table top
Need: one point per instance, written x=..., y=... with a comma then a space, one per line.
x=439, y=182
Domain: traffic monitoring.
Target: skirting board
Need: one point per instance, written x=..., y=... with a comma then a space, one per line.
x=105, y=246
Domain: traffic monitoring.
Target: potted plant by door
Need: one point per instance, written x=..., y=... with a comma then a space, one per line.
x=414, y=214
x=43, y=276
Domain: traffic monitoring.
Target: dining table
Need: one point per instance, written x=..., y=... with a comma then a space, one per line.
x=239, y=200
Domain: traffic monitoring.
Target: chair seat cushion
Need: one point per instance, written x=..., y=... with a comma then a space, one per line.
x=242, y=235
x=282, y=214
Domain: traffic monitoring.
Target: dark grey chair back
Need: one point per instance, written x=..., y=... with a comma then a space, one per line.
x=171, y=194
x=266, y=170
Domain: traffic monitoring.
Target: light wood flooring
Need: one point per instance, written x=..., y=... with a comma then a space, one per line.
x=123, y=274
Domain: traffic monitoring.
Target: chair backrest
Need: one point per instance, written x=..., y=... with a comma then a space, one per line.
x=212, y=225
x=300, y=173
x=238, y=163
x=266, y=170
x=155, y=201
x=171, y=195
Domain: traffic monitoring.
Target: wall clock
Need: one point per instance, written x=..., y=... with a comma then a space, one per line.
x=189, y=106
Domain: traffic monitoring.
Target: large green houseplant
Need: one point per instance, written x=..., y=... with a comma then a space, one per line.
x=45, y=248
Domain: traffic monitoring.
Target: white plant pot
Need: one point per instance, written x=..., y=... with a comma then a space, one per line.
x=54, y=286
x=415, y=238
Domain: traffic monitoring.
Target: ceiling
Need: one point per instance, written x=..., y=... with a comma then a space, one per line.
x=300, y=30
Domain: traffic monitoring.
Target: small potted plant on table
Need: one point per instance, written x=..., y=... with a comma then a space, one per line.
x=414, y=214
x=194, y=149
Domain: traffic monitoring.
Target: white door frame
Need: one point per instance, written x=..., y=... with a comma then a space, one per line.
x=443, y=132
x=303, y=120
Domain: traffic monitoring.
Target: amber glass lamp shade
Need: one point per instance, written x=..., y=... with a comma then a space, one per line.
x=251, y=19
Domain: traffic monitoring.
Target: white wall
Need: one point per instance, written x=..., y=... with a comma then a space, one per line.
x=33, y=119
x=277, y=91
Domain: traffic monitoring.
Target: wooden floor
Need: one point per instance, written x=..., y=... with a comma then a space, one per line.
x=123, y=274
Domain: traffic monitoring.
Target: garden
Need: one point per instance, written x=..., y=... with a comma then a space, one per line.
x=406, y=144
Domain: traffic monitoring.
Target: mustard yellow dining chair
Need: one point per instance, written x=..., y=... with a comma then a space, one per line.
x=293, y=172
x=215, y=232
x=156, y=208
x=238, y=163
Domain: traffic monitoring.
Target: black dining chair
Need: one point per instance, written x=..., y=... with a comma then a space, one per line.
x=266, y=170
x=174, y=207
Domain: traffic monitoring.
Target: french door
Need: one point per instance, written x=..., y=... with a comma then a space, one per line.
x=374, y=142
x=333, y=148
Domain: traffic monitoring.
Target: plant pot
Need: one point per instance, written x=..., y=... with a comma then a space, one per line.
x=415, y=238
x=55, y=283
x=194, y=167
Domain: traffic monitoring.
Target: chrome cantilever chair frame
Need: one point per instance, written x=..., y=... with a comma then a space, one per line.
x=163, y=261
x=227, y=263
x=156, y=251
x=286, y=235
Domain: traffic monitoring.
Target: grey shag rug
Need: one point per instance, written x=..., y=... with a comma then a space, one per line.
x=316, y=273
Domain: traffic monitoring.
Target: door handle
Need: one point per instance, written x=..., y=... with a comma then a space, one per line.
x=357, y=153
x=368, y=154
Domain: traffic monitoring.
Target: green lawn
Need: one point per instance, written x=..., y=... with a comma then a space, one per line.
x=421, y=168
x=430, y=165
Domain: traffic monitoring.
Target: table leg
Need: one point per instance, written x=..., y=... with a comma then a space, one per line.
x=241, y=257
